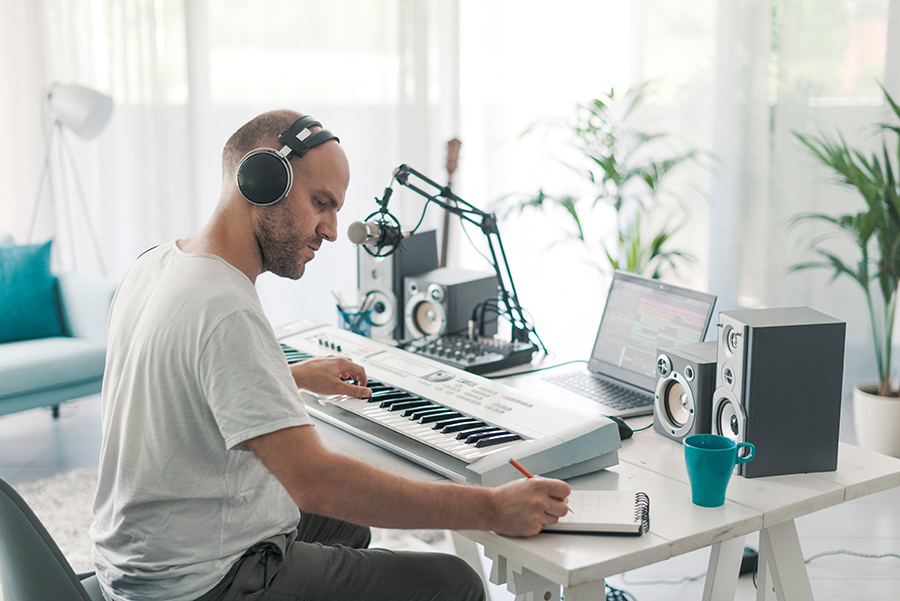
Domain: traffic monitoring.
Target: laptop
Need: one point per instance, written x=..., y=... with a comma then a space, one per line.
x=641, y=314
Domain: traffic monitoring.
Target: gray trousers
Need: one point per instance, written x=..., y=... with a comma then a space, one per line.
x=327, y=559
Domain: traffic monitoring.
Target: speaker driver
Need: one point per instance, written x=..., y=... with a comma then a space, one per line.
x=678, y=404
x=382, y=309
x=428, y=318
x=728, y=416
x=674, y=406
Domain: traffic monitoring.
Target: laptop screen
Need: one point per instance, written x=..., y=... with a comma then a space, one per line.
x=640, y=315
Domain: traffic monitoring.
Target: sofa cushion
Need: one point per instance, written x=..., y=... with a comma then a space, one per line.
x=29, y=301
x=49, y=363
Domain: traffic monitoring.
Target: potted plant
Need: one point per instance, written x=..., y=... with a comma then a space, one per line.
x=875, y=230
x=621, y=166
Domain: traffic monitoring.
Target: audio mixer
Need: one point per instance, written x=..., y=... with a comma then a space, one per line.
x=478, y=355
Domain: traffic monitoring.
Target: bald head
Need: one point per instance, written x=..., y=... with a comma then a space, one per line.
x=260, y=132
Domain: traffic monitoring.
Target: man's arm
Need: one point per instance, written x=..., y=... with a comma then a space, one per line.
x=337, y=485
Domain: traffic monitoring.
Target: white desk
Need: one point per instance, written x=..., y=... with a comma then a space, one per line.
x=536, y=568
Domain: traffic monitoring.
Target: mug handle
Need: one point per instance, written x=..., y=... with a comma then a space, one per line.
x=747, y=445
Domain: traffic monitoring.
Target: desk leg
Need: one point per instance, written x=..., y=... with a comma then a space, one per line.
x=784, y=559
x=765, y=589
x=522, y=582
x=724, y=569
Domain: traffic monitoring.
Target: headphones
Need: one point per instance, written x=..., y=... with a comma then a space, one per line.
x=264, y=175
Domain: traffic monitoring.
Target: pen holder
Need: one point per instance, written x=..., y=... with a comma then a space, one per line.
x=358, y=322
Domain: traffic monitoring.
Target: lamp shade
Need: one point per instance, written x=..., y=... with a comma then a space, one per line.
x=81, y=109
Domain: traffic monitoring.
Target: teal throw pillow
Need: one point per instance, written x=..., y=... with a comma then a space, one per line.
x=29, y=305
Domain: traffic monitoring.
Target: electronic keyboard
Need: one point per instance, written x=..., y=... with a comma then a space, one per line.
x=453, y=422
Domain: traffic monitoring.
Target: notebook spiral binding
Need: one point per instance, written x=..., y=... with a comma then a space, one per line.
x=642, y=510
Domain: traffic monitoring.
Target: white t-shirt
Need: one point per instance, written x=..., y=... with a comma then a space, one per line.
x=193, y=370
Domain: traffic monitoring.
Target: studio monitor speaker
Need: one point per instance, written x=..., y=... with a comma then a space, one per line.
x=440, y=302
x=778, y=386
x=383, y=278
x=685, y=381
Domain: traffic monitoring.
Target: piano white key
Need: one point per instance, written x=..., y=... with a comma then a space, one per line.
x=424, y=433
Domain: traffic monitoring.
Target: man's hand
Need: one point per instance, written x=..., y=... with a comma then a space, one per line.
x=331, y=375
x=525, y=506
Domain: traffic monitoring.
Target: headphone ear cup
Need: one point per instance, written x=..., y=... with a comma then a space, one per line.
x=264, y=177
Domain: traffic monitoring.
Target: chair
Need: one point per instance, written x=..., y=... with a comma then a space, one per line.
x=32, y=568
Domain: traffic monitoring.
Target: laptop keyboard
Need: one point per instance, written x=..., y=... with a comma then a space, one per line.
x=604, y=392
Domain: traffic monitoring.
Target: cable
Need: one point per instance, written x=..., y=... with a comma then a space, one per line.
x=814, y=557
x=651, y=582
x=614, y=594
x=531, y=371
x=853, y=554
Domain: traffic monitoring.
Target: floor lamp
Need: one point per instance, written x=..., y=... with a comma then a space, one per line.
x=85, y=112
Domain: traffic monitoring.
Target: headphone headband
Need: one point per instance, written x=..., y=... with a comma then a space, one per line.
x=300, y=139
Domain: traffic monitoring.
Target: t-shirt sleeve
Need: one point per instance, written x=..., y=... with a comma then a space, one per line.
x=247, y=380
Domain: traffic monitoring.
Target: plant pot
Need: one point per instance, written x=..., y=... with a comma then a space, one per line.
x=877, y=420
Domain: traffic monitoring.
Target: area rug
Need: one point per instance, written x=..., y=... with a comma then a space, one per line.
x=63, y=504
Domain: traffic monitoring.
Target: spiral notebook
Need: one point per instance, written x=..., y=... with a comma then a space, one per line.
x=605, y=512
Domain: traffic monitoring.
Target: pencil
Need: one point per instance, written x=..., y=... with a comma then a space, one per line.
x=527, y=474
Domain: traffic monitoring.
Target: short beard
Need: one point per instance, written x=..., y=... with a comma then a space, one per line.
x=279, y=248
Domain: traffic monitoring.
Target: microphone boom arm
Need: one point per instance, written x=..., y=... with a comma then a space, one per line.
x=487, y=223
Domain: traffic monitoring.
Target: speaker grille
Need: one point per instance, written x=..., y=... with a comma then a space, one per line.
x=263, y=179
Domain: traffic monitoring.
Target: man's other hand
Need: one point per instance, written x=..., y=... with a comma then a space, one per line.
x=331, y=375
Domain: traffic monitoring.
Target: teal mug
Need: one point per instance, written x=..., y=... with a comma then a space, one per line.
x=710, y=460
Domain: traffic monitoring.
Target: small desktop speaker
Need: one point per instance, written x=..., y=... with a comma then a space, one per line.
x=685, y=382
x=383, y=279
x=441, y=302
x=778, y=386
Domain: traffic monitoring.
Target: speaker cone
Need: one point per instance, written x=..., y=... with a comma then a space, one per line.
x=428, y=317
x=728, y=421
x=678, y=404
x=382, y=309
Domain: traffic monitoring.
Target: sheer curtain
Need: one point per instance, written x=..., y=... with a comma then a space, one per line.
x=397, y=79
x=184, y=74
x=795, y=67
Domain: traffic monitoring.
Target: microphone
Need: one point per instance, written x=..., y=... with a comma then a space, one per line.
x=375, y=234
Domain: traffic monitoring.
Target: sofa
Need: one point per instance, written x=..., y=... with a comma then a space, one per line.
x=52, y=330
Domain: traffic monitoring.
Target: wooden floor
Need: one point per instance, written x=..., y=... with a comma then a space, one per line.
x=34, y=446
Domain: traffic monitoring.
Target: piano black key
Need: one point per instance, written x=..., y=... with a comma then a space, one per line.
x=415, y=412
x=416, y=415
x=433, y=417
x=495, y=440
x=473, y=438
x=464, y=424
x=448, y=421
x=403, y=403
x=387, y=400
x=387, y=393
x=463, y=434
x=396, y=398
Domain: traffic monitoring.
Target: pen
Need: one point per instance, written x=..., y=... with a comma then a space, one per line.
x=528, y=474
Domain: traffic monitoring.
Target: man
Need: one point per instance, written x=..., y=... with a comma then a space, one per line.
x=213, y=481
